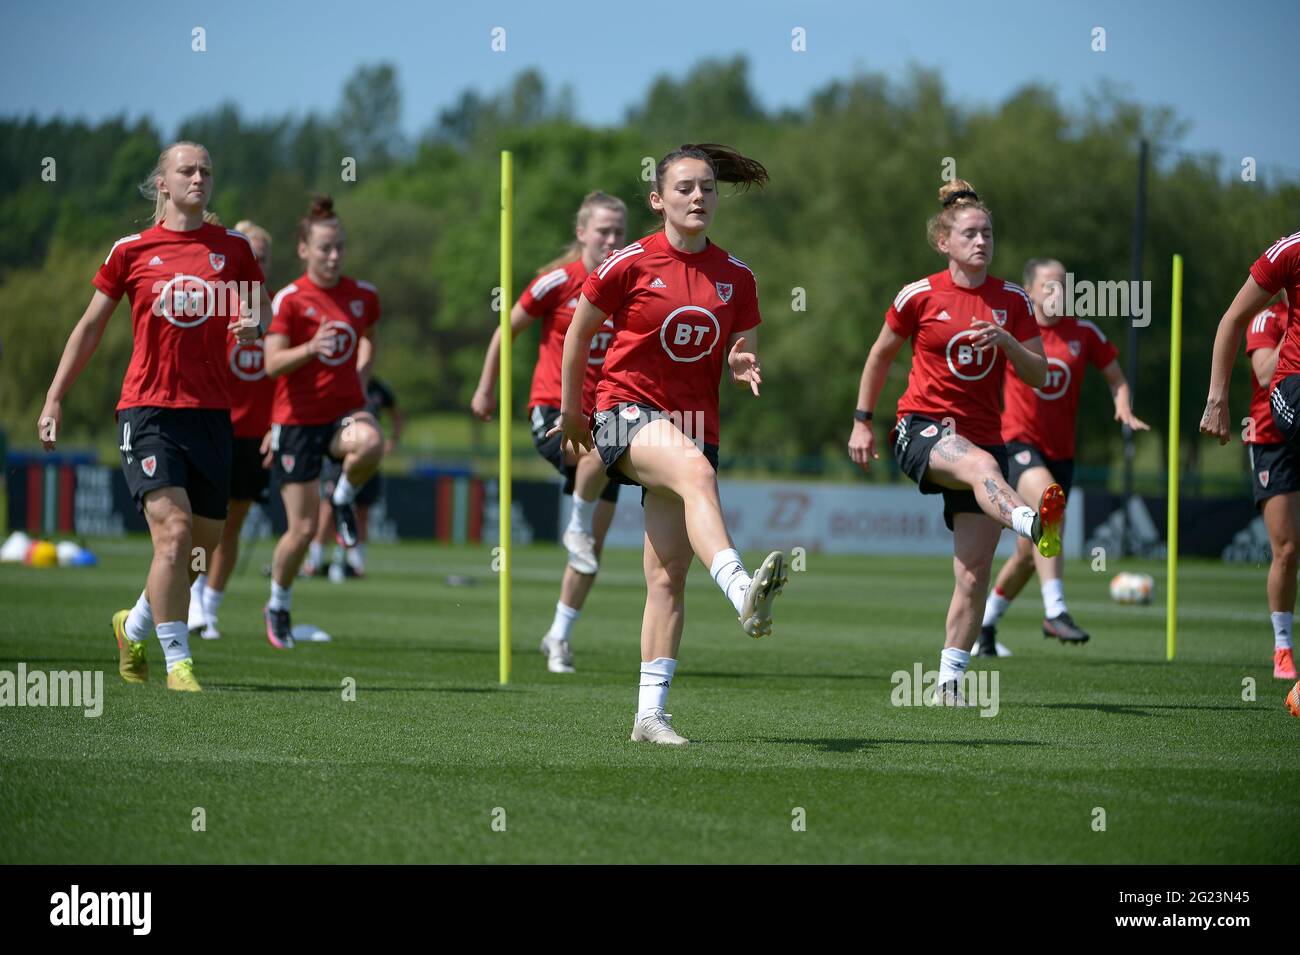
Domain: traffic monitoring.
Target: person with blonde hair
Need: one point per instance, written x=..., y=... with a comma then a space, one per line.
x=552, y=297
x=965, y=328
x=189, y=283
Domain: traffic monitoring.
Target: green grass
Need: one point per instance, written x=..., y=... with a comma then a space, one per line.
x=286, y=771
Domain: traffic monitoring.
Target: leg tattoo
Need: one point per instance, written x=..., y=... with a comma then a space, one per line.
x=1001, y=498
x=952, y=448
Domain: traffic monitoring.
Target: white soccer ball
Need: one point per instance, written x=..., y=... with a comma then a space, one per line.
x=1130, y=588
x=309, y=633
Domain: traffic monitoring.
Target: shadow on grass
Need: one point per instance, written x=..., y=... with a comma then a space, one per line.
x=99, y=662
x=362, y=688
x=750, y=674
x=1137, y=709
x=859, y=745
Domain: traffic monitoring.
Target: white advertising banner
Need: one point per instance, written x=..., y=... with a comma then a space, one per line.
x=829, y=518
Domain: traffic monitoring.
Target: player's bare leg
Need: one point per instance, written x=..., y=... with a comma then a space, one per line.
x=1282, y=519
x=359, y=444
x=666, y=462
x=574, y=588
x=301, y=507
x=579, y=537
x=667, y=561
x=315, y=560
x=957, y=464
x=975, y=537
x=220, y=567
x=172, y=527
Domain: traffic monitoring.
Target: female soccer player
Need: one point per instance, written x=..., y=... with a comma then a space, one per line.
x=1277, y=270
x=681, y=306
x=601, y=227
x=251, y=392
x=1038, y=427
x=188, y=283
x=964, y=326
x=319, y=349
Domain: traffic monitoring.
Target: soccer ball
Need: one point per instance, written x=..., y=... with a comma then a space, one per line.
x=1130, y=588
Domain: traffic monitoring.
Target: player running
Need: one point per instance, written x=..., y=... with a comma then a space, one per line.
x=552, y=297
x=251, y=392
x=683, y=309
x=965, y=326
x=188, y=283
x=1277, y=270
x=1038, y=426
x=319, y=349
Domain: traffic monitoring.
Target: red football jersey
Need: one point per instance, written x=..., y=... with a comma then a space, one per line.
x=251, y=390
x=552, y=298
x=949, y=378
x=673, y=313
x=326, y=387
x=1045, y=417
x=1265, y=331
x=184, y=290
x=1279, y=268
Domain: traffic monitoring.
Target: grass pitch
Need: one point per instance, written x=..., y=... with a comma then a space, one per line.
x=433, y=752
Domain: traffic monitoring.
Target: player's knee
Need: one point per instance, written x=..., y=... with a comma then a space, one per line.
x=972, y=580
x=1284, y=554
x=668, y=578
x=696, y=476
x=173, y=536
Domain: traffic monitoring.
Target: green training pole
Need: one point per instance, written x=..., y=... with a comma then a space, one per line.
x=505, y=405
x=1175, y=387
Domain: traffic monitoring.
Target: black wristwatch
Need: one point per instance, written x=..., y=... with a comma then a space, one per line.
x=860, y=415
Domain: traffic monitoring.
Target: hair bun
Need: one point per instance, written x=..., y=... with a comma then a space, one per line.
x=322, y=207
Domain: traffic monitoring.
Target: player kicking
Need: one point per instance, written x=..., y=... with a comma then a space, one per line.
x=1038, y=426
x=965, y=326
x=319, y=350
x=683, y=309
x=188, y=283
x=552, y=297
x=1277, y=270
x=251, y=392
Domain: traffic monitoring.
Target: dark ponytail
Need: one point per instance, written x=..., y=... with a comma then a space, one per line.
x=727, y=164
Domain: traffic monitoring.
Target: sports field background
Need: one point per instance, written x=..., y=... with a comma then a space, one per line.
x=286, y=771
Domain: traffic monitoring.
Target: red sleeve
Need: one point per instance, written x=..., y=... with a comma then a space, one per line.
x=1278, y=264
x=608, y=284
x=375, y=311
x=1101, y=350
x=747, y=315
x=543, y=292
x=111, y=277
x=1265, y=331
x=904, y=320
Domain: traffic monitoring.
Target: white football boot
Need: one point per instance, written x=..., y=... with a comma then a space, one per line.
x=655, y=728
x=949, y=694
x=582, y=551
x=558, y=653
x=768, y=582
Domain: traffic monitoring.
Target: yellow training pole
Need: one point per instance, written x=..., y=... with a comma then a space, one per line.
x=504, y=406
x=1175, y=383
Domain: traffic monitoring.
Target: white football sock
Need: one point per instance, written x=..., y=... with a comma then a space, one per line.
x=175, y=639
x=1053, y=598
x=344, y=492
x=280, y=596
x=581, y=514
x=656, y=680
x=953, y=664
x=1022, y=521
x=565, y=618
x=139, y=623
x=1281, y=630
x=994, y=607
x=196, y=589
x=314, y=553
x=356, y=557
x=728, y=572
x=211, y=604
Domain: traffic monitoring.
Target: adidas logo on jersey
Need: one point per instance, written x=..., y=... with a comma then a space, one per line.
x=155, y=261
x=573, y=303
x=943, y=317
x=658, y=283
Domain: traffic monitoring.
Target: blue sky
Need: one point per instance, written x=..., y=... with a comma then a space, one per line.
x=1228, y=69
